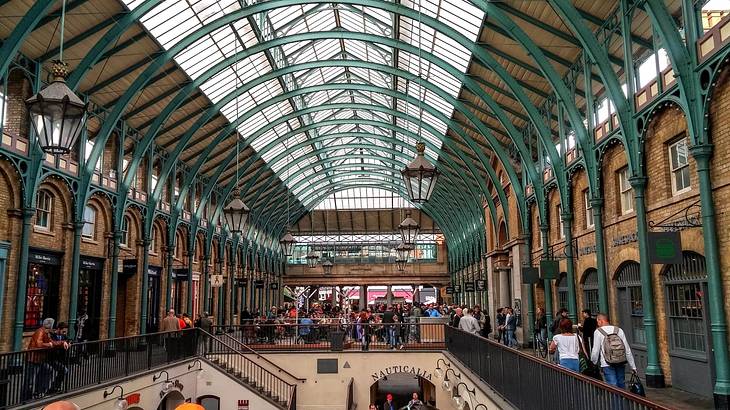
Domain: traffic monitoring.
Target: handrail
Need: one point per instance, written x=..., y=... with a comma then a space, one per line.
x=266, y=375
x=351, y=395
x=259, y=356
x=451, y=332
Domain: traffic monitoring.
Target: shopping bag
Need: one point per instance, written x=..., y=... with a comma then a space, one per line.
x=635, y=385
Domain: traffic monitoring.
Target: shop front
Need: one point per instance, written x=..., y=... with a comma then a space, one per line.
x=153, y=298
x=91, y=275
x=42, y=292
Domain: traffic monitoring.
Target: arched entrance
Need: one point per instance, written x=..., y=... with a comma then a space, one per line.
x=402, y=386
x=590, y=290
x=171, y=400
x=631, y=310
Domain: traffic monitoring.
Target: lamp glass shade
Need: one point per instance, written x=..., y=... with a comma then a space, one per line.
x=420, y=176
x=287, y=243
x=327, y=266
x=57, y=114
x=403, y=251
x=401, y=264
x=236, y=213
x=312, y=259
x=409, y=229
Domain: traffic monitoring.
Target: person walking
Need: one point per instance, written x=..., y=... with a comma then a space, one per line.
x=469, y=323
x=613, y=351
x=540, y=327
x=567, y=344
x=510, y=327
x=588, y=328
x=170, y=324
x=501, y=316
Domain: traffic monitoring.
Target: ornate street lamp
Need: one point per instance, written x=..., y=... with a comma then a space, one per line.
x=312, y=258
x=287, y=243
x=236, y=213
x=409, y=229
x=327, y=266
x=420, y=176
x=403, y=251
x=400, y=264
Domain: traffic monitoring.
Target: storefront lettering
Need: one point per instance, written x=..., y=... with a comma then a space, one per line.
x=401, y=369
x=625, y=239
x=587, y=250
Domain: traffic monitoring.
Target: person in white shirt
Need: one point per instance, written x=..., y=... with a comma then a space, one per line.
x=469, y=323
x=567, y=345
x=613, y=373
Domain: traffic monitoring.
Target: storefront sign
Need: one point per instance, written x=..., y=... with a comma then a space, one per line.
x=449, y=290
x=154, y=270
x=258, y=284
x=549, y=269
x=180, y=273
x=469, y=287
x=274, y=286
x=665, y=248
x=216, y=281
x=481, y=285
x=530, y=275
x=587, y=250
x=241, y=282
x=91, y=263
x=44, y=258
x=129, y=266
x=401, y=369
x=457, y=288
x=243, y=405
x=625, y=239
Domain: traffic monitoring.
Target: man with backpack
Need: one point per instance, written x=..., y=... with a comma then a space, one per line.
x=613, y=351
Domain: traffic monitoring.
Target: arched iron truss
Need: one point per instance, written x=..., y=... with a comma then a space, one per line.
x=364, y=120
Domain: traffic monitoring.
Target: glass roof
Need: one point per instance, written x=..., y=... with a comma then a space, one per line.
x=363, y=198
x=327, y=132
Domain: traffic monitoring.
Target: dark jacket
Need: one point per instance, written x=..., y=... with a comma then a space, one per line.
x=511, y=323
x=589, y=327
x=388, y=316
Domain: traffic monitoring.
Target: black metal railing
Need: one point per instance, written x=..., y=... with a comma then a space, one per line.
x=233, y=361
x=351, y=405
x=336, y=336
x=530, y=383
x=33, y=375
x=245, y=349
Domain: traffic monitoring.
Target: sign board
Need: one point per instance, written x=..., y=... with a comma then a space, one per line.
x=258, y=284
x=665, y=248
x=469, y=287
x=449, y=290
x=457, y=288
x=180, y=273
x=274, y=285
x=549, y=269
x=481, y=285
x=216, y=281
x=129, y=266
x=327, y=366
x=91, y=263
x=43, y=258
x=243, y=405
x=530, y=275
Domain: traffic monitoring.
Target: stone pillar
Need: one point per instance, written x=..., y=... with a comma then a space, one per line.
x=389, y=295
x=492, y=285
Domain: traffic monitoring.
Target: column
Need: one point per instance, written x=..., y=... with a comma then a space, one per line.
x=74, y=291
x=597, y=208
x=114, y=285
x=206, y=283
x=191, y=254
x=492, y=289
x=168, y=286
x=504, y=287
x=567, y=219
x=389, y=296
x=654, y=374
x=21, y=288
x=547, y=283
x=143, y=287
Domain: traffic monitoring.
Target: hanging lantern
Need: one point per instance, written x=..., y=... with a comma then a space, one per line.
x=403, y=251
x=420, y=176
x=409, y=230
x=287, y=243
x=57, y=114
x=400, y=264
x=312, y=258
x=236, y=213
x=327, y=266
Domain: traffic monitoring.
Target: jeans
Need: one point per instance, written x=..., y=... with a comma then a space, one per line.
x=511, y=340
x=36, y=379
x=571, y=364
x=615, y=375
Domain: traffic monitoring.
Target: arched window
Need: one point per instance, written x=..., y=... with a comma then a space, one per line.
x=125, y=231
x=153, y=241
x=685, y=292
x=89, y=229
x=630, y=302
x=590, y=290
x=562, y=288
x=44, y=210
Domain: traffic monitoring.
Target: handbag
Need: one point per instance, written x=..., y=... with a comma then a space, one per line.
x=586, y=366
x=635, y=385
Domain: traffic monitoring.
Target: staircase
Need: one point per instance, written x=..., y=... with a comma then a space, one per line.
x=227, y=356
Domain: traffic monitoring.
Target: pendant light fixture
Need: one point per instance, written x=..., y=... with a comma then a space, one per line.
x=287, y=241
x=402, y=251
x=312, y=256
x=400, y=264
x=420, y=175
x=57, y=114
x=409, y=229
x=327, y=265
x=236, y=212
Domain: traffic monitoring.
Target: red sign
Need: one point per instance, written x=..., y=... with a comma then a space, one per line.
x=243, y=405
x=132, y=398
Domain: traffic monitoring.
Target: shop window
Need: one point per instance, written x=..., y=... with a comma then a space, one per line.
x=562, y=288
x=626, y=193
x=685, y=292
x=631, y=302
x=588, y=210
x=89, y=229
x=590, y=291
x=41, y=297
x=125, y=231
x=679, y=166
x=44, y=210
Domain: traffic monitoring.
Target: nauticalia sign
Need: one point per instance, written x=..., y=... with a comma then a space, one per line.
x=401, y=369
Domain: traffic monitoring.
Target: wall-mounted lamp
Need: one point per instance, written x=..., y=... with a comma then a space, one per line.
x=121, y=403
x=459, y=400
x=446, y=385
x=167, y=385
x=439, y=371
